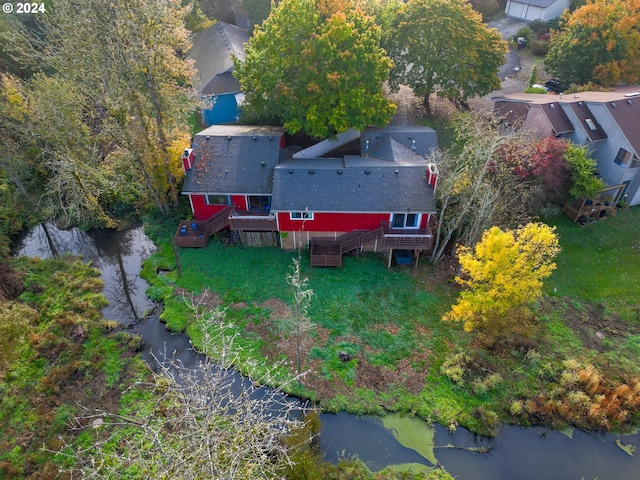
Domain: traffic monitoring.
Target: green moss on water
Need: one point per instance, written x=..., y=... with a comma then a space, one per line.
x=412, y=433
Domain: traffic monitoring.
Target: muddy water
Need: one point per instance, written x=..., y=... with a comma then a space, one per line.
x=516, y=454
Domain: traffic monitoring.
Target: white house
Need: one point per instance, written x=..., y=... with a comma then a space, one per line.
x=536, y=9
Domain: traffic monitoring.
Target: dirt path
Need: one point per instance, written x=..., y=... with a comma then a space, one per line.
x=407, y=104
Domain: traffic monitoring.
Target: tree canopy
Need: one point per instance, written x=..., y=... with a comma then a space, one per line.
x=443, y=47
x=502, y=276
x=109, y=103
x=318, y=68
x=598, y=42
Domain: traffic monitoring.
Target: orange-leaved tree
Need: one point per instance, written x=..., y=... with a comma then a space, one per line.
x=502, y=276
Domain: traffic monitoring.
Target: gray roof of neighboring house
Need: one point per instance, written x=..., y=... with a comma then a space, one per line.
x=354, y=184
x=516, y=113
x=234, y=159
x=212, y=49
x=626, y=112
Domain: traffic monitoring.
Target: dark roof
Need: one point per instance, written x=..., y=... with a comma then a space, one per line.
x=512, y=112
x=515, y=113
x=626, y=113
x=558, y=118
x=422, y=140
x=353, y=184
x=589, y=124
x=234, y=159
x=212, y=50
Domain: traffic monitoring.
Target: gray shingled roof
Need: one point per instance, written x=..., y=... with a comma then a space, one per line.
x=354, y=184
x=234, y=159
x=212, y=50
x=421, y=139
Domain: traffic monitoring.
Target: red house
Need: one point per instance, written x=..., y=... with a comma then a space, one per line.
x=372, y=190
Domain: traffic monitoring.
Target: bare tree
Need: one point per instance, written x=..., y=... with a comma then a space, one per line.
x=477, y=190
x=204, y=421
x=299, y=319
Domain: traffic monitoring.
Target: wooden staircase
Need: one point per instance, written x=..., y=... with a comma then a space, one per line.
x=196, y=233
x=328, y=252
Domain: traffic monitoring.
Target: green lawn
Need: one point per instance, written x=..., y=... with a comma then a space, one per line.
x=404, y=358
x=600, y=261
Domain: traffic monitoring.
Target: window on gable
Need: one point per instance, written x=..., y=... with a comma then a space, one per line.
x=623, y=157
x=218, y=199
x=301, y=215
x=635, y=162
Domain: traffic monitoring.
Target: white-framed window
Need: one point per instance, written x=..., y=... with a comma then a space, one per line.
x=305, y=215
x=218, y=199
x=405, y=220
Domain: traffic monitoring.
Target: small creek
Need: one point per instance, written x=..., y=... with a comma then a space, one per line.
x=516, y=454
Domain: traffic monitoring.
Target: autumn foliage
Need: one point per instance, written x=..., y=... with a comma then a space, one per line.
x=600, y=42
x=541, y=163
x=502, y=276
x=584, y=397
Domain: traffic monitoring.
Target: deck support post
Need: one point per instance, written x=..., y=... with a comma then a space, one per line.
x=390, y=257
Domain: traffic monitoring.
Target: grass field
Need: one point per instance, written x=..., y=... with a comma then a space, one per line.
x=402, y=357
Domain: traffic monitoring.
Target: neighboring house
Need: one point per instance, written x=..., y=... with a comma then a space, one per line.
x=536, y=9
x=378, y=185
x=213, y=50
x=607, y=122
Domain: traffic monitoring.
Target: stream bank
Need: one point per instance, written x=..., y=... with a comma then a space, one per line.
x=516, y=453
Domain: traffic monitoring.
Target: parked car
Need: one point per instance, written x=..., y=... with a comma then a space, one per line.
x=554, y=86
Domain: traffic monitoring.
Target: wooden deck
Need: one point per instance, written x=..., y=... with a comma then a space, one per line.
x=328, y=251
x=325, y=253
x=196, y=233
x=251, y=222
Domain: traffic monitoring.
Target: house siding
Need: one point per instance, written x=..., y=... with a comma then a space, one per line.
x=224, y=110
x=612, y=173
x=332, y=222
x=526, y=11
x=202, y=211
x=339, y=222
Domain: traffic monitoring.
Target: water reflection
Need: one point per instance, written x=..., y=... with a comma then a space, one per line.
x=516, y=454
x=118, y=255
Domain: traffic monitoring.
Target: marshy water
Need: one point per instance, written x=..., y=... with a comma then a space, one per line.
x=515, y=454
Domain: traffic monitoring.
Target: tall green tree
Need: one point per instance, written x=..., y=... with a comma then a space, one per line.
x=443, y=47
x=318, y=68
x=111, y=105
x=600, y=42
x=18, y=177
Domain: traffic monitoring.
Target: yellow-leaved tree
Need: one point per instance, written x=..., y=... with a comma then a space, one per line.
x=502, y=276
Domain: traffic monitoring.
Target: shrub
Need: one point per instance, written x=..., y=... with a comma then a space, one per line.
x=538, y=90
x=455, y=367
x=533, y=77
x=539, y=47
x=526, y=33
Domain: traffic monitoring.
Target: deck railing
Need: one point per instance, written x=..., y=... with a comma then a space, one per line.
x=248, y=222
x=196, y=233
